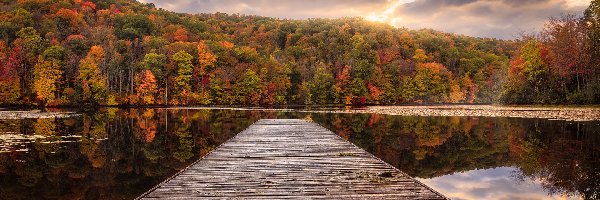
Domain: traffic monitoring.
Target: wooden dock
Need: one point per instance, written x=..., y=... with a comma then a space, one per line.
x=290, y=159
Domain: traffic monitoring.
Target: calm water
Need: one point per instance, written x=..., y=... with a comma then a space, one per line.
x=121, y=153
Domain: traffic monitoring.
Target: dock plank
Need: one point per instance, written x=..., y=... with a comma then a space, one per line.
x=290, y=159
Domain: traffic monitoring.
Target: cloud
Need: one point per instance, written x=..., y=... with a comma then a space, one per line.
x=494, y=184
x=482, y=18
x=298, y=9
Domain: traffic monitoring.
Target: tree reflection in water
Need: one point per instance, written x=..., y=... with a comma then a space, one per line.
x=563, y=156
x=121, y=153
x=112, y=153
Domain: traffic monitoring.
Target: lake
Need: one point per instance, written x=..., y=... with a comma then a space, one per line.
x=121, y=153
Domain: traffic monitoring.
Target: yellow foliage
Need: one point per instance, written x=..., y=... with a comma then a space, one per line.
x=10, y=91
x=46, y=75
x=456, y=94
x=420, y=56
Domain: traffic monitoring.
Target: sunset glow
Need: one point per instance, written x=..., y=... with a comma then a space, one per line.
x=387, y=15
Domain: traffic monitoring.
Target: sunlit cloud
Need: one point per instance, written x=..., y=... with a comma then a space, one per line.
x=484, y=18
x=578, y=3
x=388, y=14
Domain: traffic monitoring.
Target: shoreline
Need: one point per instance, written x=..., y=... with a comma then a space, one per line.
x=530, y=111
x=550, y=113
x=34, y=114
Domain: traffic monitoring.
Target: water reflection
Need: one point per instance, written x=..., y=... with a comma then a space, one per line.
x=121, y=153
x=493, y=183
x=558, y=158
x=110, y=154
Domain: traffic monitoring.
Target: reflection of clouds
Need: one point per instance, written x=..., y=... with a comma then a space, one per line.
x=497, y=183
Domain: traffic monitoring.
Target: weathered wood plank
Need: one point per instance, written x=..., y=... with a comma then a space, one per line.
x=290, y=159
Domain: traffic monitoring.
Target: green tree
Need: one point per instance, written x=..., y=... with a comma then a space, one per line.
x=359, y=91
x=184, y=76
x=322, y=86
x=408, y=89
x=363, y=57
x=247, y=90
x=15, y=21
x=155, y=63
x=131, y=26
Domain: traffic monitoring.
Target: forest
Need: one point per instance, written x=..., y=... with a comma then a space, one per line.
x=127, y=53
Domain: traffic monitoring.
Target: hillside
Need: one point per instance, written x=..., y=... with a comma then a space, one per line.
x=122, y=52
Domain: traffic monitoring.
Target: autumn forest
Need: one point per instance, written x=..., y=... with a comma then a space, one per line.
x=123, y=52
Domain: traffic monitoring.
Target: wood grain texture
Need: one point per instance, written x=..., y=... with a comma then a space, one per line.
x=290, y=159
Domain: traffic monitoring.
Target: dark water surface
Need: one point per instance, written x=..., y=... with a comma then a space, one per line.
x=121, y=153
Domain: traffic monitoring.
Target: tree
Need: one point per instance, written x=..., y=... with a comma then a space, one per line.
x=184, y=76
x=13, y=22
x=32, y=45
x=220, y=88
x=592, y=20
x=432, y=82
x=93, y=82
x=359, y=91
x=470, y=90
x=420, y=56
x=322, y=86
x=304, y=95
x=206, y=59
x=146, y=88
x=31, y=40
x=47, y=74
x=206, y=64
x=342, y=83
x=408, y=89
x=68, y=21
x=247, y=90
x=10, y=90
x=571, y=70
x=277, y=79
x=533, y=67
x=363, y=57
x=180, y=35
x=131, y=26
x=246, y=54
x=456, y=94
x=381, y=87
x=375, y=93
x=155, y=63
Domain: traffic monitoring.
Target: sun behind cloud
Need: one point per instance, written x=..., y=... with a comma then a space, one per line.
x=387, y=15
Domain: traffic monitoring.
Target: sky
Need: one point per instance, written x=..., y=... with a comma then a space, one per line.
x=494, y=184
x=504, y=19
